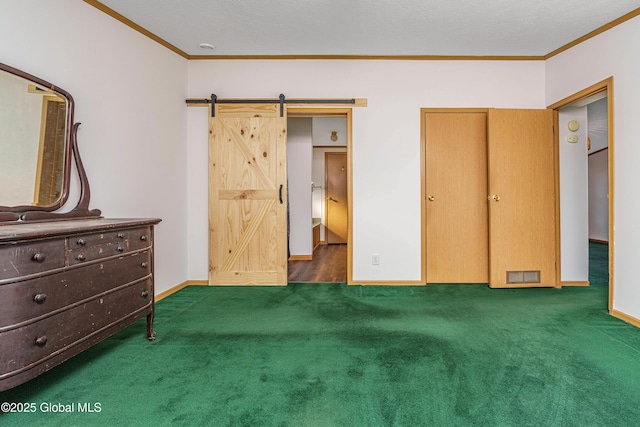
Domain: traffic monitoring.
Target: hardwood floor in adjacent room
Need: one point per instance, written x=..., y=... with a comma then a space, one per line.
x=329, y=264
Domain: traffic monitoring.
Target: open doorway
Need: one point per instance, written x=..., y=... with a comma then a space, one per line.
x=319, y=171
x=598, y=186
x=585, y=157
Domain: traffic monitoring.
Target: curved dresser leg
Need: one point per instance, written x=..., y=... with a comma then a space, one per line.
x=151, y=334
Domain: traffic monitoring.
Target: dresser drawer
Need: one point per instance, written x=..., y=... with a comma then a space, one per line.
x=101, y=245
x=29, y=258
x=32, y=344
x=90, y=247
x=139, y=238
x=95, y=252
x=37, y=297
x=94, y=239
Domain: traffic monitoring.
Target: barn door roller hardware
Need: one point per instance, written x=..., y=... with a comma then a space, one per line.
x=281, y=100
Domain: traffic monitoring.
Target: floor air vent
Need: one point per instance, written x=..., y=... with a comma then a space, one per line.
x=532, y=276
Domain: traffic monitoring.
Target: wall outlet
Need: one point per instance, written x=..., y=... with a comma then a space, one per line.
x=375, y=259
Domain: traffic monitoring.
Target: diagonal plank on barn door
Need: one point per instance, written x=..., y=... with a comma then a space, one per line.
x=247, y=236
x=238, y=137
x=247, y=196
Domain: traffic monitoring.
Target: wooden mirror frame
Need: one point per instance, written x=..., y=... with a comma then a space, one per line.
x=10, y=214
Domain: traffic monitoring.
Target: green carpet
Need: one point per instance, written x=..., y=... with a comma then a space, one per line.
x=598, y=264
x=333, y=355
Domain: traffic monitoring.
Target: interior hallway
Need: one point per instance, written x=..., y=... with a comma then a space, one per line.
x=329, y=264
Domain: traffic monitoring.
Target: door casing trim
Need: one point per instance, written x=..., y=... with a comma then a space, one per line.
x=348, y=114
x=606, y=84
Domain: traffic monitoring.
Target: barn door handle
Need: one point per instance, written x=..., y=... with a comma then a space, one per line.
x=281, y=194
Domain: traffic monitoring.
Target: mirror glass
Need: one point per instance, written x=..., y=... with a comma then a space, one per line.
x=34, y=142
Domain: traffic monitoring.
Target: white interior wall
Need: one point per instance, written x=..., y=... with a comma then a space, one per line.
x=299, y=158
x=129, y=93
x=324, y=126
x=612, y=53
x=386, y=136
x=574, y=221
x=598, y=123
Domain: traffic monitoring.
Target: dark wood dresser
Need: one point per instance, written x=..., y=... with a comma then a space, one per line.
x=66, y=285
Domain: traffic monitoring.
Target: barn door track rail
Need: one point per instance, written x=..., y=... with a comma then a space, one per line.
x=356, y=102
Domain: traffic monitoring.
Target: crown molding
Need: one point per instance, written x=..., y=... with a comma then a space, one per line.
x=133, y=25
x=372, y=57
x=597, y=31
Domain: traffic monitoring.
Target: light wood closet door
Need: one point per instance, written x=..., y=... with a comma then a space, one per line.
x=456, y=190
x=337, y=204
x=522, y=214
x=247, y=195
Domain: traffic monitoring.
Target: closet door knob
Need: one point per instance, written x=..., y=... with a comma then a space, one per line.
x=431, y=198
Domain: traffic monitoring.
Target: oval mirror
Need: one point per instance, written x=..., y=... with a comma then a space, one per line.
x=35, y=141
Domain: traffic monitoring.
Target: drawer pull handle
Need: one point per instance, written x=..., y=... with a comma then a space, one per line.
x=82, y=242
x=144, y=264
x=81, y=257
x=40, y=298
x=144, y=237
x=120, y=236
x=41, y=341
x=144, y=293
x=39, y=257
x=120, y=249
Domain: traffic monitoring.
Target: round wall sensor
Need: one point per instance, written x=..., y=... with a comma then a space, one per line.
x=573, y=125
x=207, y=46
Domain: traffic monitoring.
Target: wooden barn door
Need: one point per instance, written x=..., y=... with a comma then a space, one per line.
x=337, y=204
x=247, y=195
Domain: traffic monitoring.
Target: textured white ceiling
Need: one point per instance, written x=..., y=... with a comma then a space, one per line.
x=372, y=27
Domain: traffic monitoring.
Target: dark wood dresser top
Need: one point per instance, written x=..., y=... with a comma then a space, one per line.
x=39, y=230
